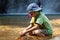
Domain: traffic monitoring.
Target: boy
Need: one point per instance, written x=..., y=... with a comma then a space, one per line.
x=39, y=24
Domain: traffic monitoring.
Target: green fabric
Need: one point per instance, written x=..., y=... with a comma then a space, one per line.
x=42, y=19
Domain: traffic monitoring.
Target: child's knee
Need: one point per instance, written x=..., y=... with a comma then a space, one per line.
x=36, y=32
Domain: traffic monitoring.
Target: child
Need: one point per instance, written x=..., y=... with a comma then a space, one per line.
x=39, y=24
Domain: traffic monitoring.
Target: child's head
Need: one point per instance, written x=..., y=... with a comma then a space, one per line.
x=33, y=9
x=33, y=14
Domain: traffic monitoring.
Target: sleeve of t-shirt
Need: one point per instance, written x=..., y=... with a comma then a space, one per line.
x=39, y=21
x=32, y=20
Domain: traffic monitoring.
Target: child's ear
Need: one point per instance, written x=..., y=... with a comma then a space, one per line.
x=29, y=15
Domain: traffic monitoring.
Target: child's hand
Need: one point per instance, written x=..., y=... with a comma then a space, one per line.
x=22, y=33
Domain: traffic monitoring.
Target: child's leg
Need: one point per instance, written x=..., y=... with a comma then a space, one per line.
x=38, y=32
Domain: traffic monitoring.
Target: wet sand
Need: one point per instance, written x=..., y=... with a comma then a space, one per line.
x=10, y=32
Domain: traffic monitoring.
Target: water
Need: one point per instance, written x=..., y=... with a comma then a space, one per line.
x=19, y=7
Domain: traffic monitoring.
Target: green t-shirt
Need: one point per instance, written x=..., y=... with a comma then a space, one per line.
x=42, y=19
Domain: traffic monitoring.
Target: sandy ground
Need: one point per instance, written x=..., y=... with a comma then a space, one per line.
x=10, y=32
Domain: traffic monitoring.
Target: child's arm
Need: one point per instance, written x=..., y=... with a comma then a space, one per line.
x=25, y=30
x=28, y=29
x=29, y=26
x=36, y=26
